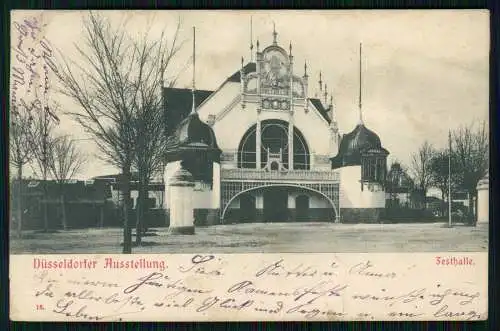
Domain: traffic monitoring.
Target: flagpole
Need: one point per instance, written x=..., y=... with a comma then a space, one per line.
x=360, y=105
x=193, y=89
x=449, y=180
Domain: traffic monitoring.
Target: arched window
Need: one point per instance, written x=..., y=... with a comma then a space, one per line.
x=274, y=137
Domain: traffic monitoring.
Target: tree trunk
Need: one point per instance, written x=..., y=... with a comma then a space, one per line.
x=139, y=214
x=45, y=205
x=101, y=221
x=127, y=230
x=443, y=201
x=63, y=211
x=424, y=202
x=142, y=208
x=19, y=200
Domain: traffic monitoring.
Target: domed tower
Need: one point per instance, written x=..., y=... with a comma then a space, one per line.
x=194, y=144
x=362, y=165
x=192, y=173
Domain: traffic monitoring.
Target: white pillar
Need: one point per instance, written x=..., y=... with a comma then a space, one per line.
x=290, y=121
x=483, y=200
x=290, y=142
x=258, y=129
x=181, y=203
x=258, y=144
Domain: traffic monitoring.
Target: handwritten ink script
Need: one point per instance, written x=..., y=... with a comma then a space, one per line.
x=256, y=287
x=32, y=64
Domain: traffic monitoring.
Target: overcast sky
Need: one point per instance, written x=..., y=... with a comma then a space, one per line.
x=423, y=71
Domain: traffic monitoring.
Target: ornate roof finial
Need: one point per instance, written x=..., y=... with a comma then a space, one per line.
x=162, y=73
x=258, y=45
x=290, y=48
x=193, y=89
x=251, y=40
x=320, y=82
x=275, y=34
x=326, y=94
x=333, y=114
x=305, y=69
x=242, y=62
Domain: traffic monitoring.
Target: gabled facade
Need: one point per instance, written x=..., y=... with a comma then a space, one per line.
x=277, y=146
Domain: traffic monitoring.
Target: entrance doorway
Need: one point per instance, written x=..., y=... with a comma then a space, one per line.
x=247, y=208
x=275, y=204
x=302, y=207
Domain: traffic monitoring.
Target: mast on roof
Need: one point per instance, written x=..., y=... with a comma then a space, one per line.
x=360, y=104
x=193, y=88
x=251, y=39
x=275, y=34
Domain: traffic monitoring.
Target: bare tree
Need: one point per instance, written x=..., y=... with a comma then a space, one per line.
x=472, y=153
x=20, y=152
x=149, y=159
x=41, y=143
x=151, y=137
x=65, y=163
x=111, y=83
x=420, y=169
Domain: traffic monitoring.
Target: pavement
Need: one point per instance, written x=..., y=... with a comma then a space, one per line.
x=266, y=238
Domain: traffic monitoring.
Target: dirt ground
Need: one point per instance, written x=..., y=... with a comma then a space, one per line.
x=266, y=238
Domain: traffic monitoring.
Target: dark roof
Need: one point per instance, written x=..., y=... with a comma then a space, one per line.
x=178, y=101
x=178, y=104
x=322, y=110
x=355, y=143
x=134, y=177
x=236, y=77
x=73, y=190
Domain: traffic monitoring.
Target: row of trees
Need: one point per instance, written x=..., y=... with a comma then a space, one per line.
x=469, y=148
x=117, y=83
x=33, y=141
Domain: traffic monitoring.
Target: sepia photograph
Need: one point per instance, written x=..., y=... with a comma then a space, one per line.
x=249, y=165
x=249, y=132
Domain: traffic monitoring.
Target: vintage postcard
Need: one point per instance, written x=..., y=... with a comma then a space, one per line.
x=249, y=165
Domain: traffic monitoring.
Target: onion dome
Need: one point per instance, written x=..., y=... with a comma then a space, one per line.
x=191, y=137
x=359, y=142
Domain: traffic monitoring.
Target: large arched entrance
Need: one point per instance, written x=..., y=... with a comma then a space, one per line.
x=276, y=202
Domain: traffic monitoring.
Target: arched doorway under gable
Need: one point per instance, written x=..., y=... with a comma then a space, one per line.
x=274, y=204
